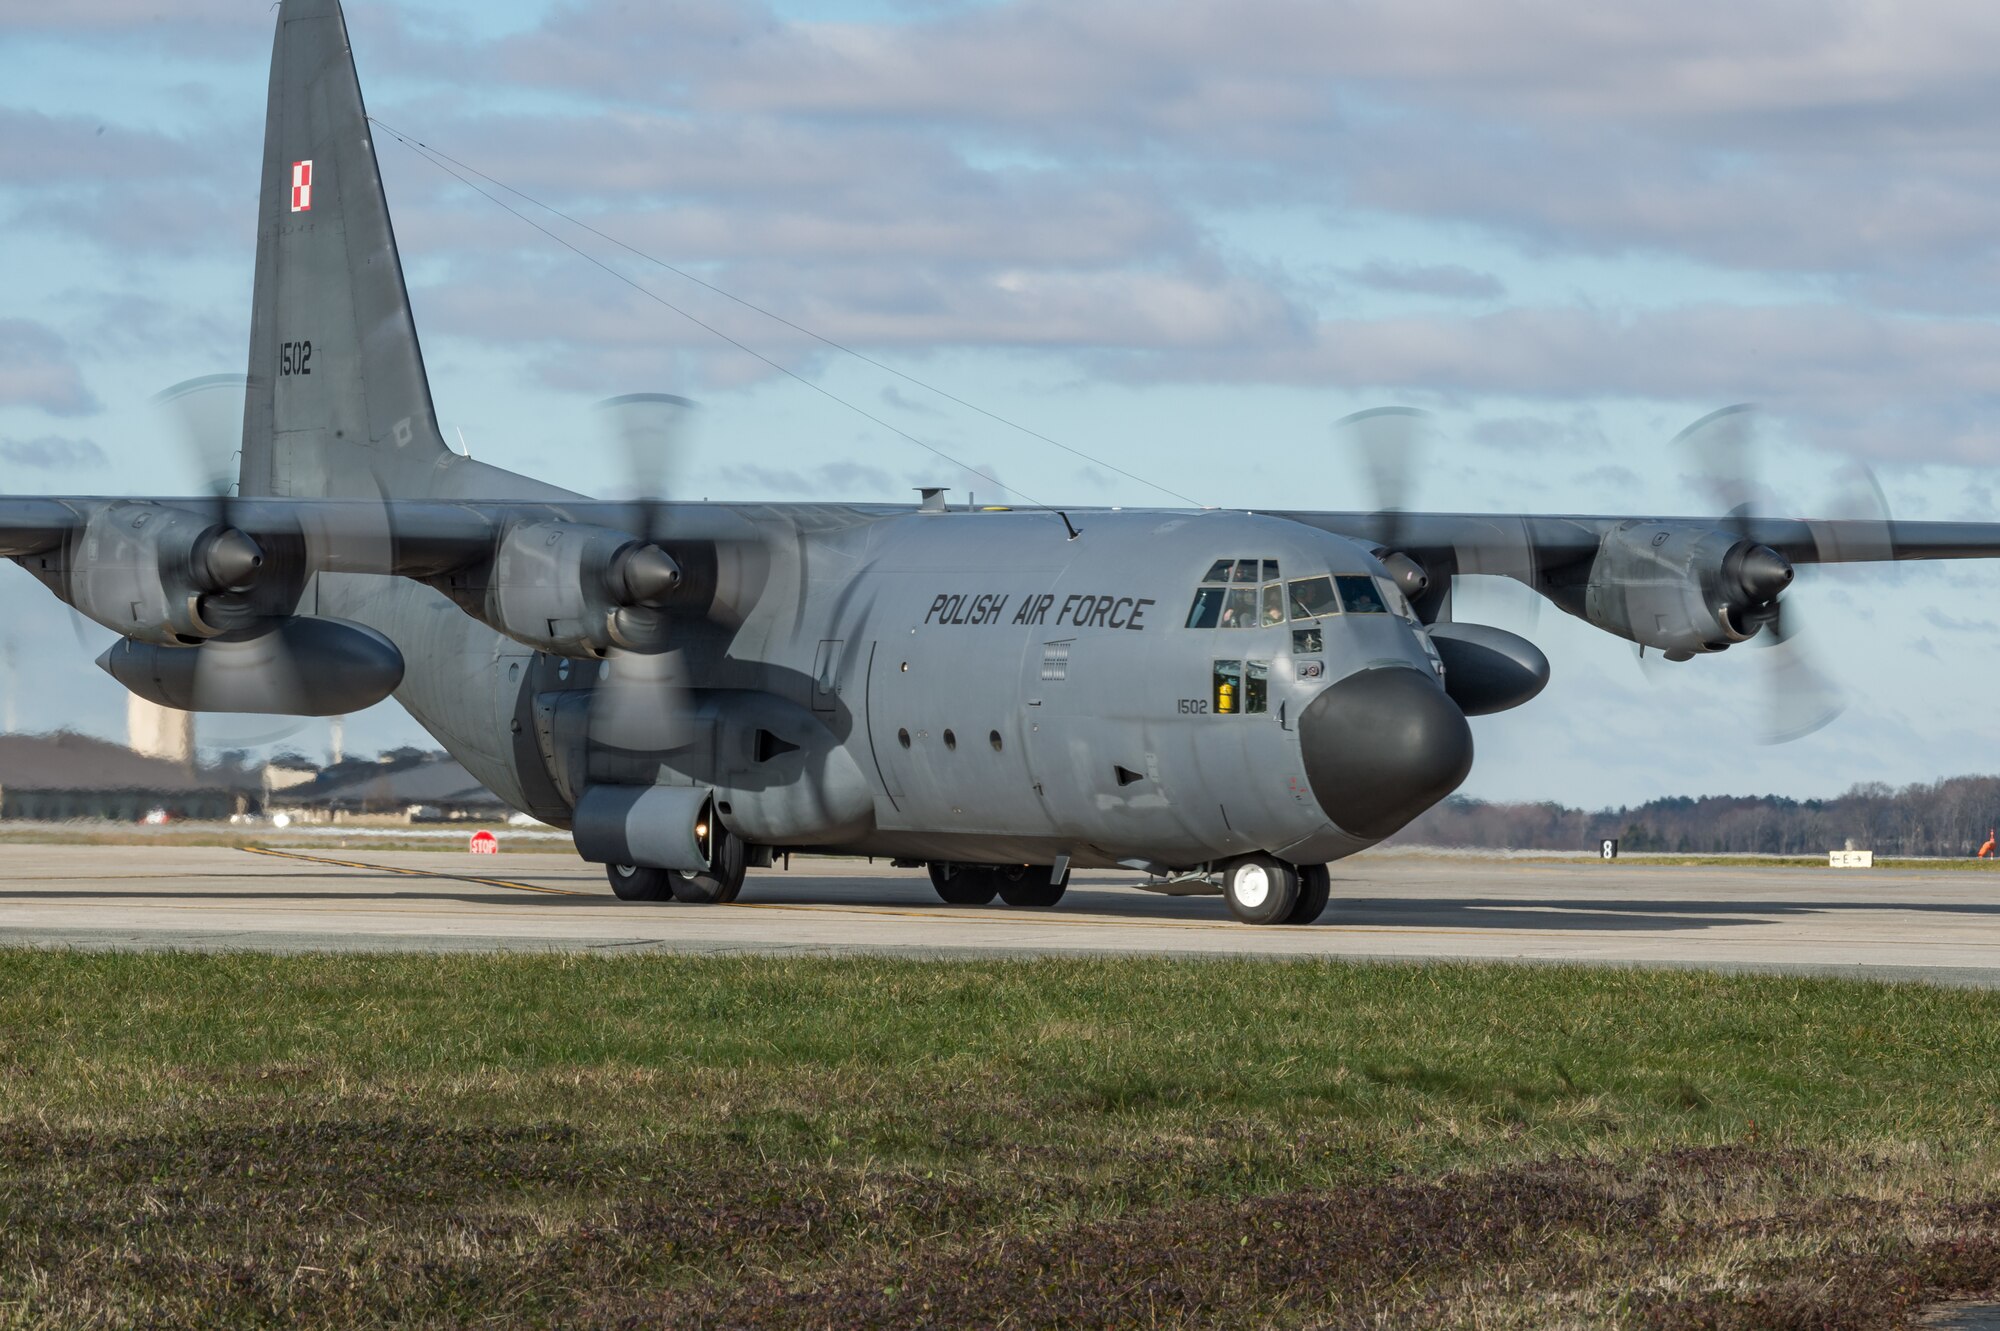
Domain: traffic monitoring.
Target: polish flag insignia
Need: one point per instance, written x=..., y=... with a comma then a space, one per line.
x=302, y=187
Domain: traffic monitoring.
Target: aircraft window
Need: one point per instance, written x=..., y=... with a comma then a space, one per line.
x=1312, y=598
x=1246, y=571
x=1271, y=570
x=1274, y=603
x=1207, y=608
x=1307, y=640
x=1228, y=688
x=1360, y=596
x=1219, y=570
x=1257, y=686
x=1240, y=610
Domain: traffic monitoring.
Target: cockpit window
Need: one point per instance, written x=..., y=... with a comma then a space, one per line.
x=1361, y=596
x=1238, y=594
x=1312, y=598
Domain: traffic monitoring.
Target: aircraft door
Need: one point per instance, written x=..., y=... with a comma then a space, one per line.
x=880, y=701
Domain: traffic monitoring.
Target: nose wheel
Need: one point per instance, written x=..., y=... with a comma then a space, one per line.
x=1260, y=889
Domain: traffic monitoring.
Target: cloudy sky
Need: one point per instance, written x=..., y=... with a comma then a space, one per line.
x=1183, y=238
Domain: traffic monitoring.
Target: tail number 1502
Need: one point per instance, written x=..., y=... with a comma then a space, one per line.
x=295, y=358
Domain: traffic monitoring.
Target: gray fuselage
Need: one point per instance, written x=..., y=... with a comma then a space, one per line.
x=965, y=686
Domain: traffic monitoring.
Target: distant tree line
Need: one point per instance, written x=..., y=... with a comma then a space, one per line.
x=1950, y=817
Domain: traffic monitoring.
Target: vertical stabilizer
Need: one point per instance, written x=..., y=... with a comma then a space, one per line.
x=338, y=403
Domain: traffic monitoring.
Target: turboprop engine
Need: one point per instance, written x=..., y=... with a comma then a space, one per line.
x=157, y=573
x=571, y=589
x=1683, y=588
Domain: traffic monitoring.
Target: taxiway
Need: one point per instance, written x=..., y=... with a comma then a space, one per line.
x=1940, y=925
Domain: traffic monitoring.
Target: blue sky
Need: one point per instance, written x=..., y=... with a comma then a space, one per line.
x=1184, y=238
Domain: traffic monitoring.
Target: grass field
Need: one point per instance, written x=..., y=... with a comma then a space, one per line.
x=513, y=1141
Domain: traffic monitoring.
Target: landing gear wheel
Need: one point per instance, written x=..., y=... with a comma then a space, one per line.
x=1260, y=890
x=718, y=884
x=963, y=884
x=639, y=882
x=1315, y=886
x=1028, y=885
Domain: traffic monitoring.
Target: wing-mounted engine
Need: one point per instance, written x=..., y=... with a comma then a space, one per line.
x=206, y=612
x=571, y=589
x=1682, y=588
x=161, y=574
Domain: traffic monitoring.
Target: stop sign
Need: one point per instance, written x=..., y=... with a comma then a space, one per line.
x=485, y=843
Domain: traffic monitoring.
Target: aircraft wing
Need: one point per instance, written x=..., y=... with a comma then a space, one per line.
x=1512, y=543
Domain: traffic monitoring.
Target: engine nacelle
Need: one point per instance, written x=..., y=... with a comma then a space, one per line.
x=157, y=574
x=572, y=589
x=1681, y=587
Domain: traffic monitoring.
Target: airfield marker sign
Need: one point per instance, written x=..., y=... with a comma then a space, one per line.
x=1850, y=859
x=484, y=843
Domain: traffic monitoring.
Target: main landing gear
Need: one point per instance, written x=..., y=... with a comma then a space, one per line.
x=977, y=884
x=716, y=885
x=1262, y=890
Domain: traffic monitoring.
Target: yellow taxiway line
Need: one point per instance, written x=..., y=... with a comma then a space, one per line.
x=412, y=873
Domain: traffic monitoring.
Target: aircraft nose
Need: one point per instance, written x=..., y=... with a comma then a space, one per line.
x=1381, y=746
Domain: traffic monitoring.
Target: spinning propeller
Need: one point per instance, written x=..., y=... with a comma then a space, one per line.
x=642, y=699
x=1390, y=448
x=1797, y=693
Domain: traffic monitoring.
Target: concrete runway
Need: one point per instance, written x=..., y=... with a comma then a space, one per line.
x=1938, y=925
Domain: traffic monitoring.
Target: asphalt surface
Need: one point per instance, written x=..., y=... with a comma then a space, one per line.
x=1939, y=925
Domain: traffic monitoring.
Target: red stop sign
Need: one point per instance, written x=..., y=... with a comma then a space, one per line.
x=485, y=843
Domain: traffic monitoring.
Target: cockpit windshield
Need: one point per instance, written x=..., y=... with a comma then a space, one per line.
x=1360, y=595
x=1250, y=593
x=1312, y=598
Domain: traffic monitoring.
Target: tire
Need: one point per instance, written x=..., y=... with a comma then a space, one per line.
x=1315, y=886
x=964, y=884
x=718, y=884
x=1260, y=890
x=639, y=882
x=1030, y=885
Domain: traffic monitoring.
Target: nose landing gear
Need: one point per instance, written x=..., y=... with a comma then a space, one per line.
x=1260, y=889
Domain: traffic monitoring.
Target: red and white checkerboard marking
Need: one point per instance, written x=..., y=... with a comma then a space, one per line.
x=302, y=187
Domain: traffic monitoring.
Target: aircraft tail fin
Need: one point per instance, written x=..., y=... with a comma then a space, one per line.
x=338, y=403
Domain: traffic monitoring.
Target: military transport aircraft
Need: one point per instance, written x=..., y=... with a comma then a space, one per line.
x=1225, y=700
